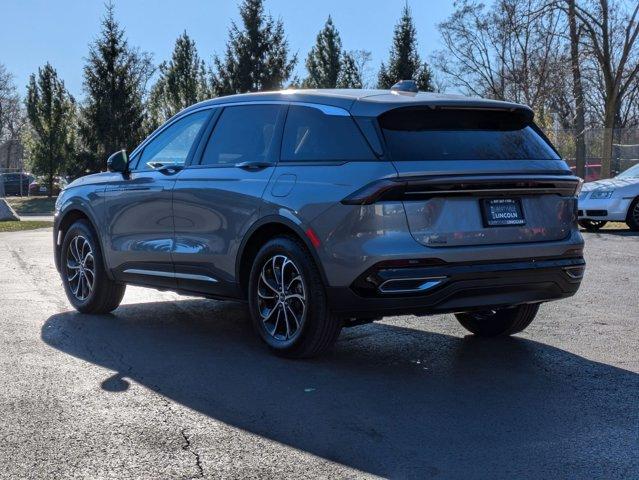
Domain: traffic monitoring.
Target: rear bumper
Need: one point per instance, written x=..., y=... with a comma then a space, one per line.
x=464, y=287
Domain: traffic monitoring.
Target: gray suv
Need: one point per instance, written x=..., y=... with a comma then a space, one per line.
x=329, y=208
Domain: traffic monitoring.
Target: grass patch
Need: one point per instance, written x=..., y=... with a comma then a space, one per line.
x=32, y=205
x=15, y=226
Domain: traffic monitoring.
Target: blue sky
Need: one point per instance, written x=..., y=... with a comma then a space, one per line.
x=59, y=31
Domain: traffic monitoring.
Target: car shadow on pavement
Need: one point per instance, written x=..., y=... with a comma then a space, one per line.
x=389, y=401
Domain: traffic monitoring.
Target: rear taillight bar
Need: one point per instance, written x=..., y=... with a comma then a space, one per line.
x=462, y=185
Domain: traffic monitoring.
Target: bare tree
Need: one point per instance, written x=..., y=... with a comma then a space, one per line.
x=577, y=90
x=505, y=51
x=611, y=30
x=12, y=118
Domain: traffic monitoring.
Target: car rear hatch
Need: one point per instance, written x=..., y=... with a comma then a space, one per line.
x=472, y=176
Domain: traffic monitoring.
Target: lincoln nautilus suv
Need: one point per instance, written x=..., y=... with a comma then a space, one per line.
x=324, y=209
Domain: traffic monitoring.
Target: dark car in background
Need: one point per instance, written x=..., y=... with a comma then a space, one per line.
x=13, y=184
x=330, y=208
x=40, y=186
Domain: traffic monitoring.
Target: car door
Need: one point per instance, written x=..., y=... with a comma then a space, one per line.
x=138, y=206
x=217, y=198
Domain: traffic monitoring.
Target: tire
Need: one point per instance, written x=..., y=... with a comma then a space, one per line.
x=592, y=225
x=632, y=218
x=501, y=322
x=80, y=259
x=293, y=321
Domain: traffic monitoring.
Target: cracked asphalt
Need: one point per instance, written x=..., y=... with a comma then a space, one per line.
x=177, y=387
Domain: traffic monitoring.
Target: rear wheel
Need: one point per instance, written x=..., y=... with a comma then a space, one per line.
x=632, y=219
x=592, y=225
x=86, y=283
x=498, y=322
x=288, y=302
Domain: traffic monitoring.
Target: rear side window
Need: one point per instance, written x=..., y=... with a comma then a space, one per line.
x=312, y=135
x=456, y=134
x=242, y=134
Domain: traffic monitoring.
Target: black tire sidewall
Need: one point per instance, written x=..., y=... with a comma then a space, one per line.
x=81, y=227
x=632, y=225
x=315, y=297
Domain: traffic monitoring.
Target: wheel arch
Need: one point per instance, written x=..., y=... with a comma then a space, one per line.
x=71, y=215
x=260, y=232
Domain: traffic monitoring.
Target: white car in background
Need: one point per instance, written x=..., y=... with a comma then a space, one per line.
x=611, y=200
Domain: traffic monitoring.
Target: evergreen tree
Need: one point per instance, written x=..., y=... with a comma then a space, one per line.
x=257, y=55
x=328, y=65
x=350, y=75
x=404, y=62
x=182, y=82
x=115, y=78
x=324, y=61
x=51, y=114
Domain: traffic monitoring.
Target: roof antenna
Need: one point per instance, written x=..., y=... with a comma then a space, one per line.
x=405, y=87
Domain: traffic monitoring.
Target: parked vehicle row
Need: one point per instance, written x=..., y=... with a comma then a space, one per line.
x=24, y=184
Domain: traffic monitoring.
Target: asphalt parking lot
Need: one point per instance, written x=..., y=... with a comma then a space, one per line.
x=176, y=387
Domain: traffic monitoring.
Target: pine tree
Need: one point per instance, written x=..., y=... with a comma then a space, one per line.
x=51, y=114
x=115, y=78
x=324, y=61
x=257, y=55
x=404, y=62
x=350, y=75
x=182, y=82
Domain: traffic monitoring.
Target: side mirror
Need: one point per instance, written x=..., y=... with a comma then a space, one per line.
x=118, y=162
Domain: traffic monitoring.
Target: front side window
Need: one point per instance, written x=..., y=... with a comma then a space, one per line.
x=243, y=133
x=312, y=135
x=457, y=134
x=173, y=144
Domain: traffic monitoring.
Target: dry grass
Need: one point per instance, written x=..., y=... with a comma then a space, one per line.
x=14, y=226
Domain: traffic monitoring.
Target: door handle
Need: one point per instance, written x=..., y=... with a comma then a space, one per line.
x=257, y=165
x=170, y=169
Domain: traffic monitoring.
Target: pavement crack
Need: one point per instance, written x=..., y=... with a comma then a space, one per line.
x=187, y=448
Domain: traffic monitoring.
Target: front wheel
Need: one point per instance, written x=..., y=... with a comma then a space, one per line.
x=86, y=283
x=592, y=225
x=287, y=301
x=632, y=220
x=499, y=322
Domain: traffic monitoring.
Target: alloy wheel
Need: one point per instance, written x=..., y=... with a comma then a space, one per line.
x=281, y=298
x=80, y=267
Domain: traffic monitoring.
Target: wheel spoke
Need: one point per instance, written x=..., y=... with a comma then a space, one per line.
x=297, y=322
x=297, y=296
x=72, y=266
x=277, y=320
x=264, y=296
x=288, y=329
x=297, y=278
x=266, y=282
x=270, y=314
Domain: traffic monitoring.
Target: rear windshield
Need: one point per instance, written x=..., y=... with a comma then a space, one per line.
x=456, y=134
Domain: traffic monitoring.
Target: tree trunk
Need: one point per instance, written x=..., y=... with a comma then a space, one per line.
x=578, y=94
x=609, y=125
